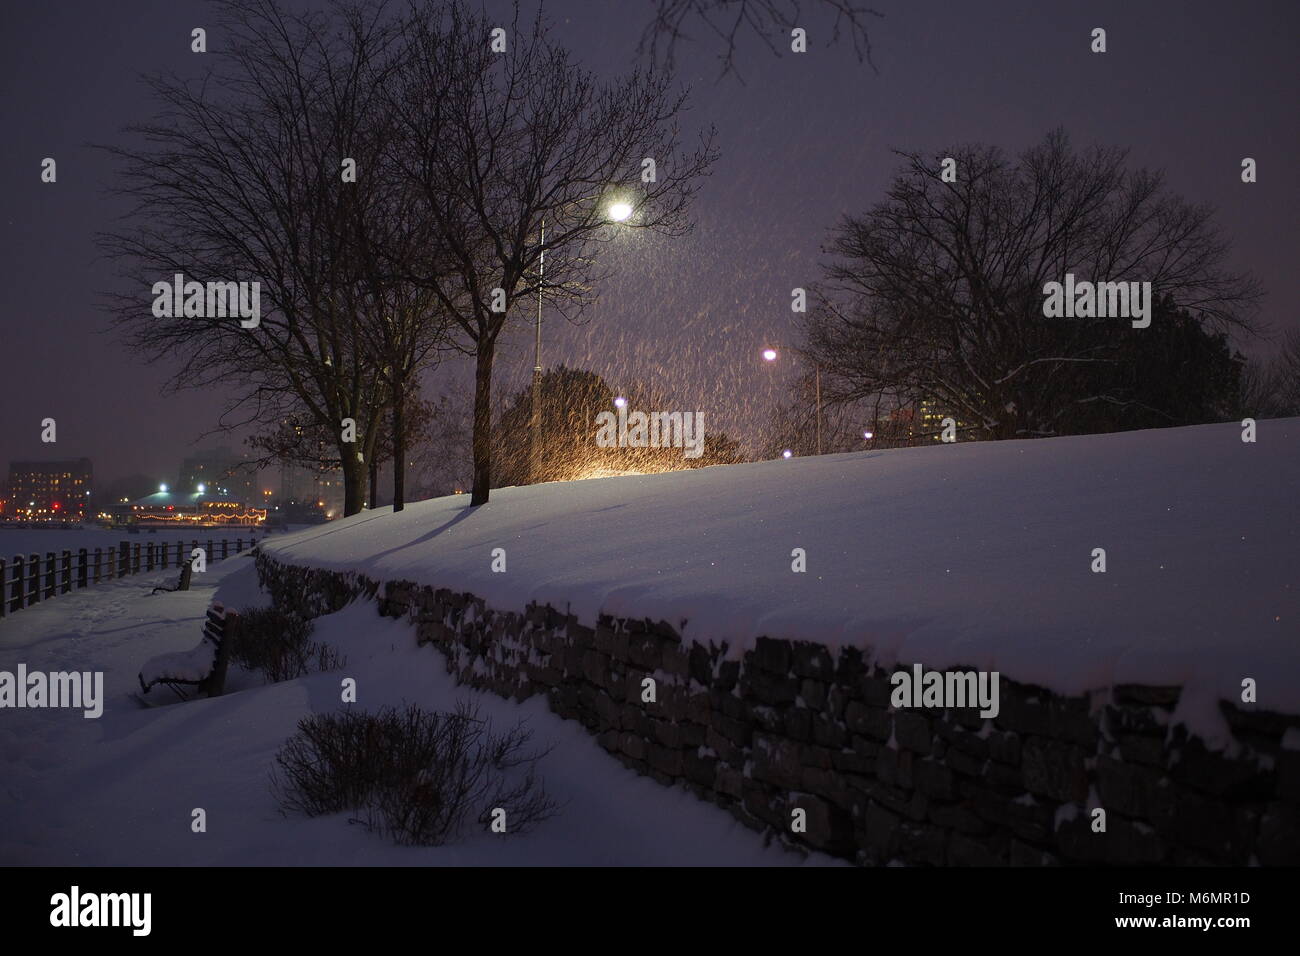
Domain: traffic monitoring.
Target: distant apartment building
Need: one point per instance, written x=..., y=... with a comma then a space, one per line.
x=217, y=470
x=933, y=417
x=916, y=424
x=50, y=490
x=312, y=489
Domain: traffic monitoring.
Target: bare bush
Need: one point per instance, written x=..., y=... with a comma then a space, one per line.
x=279, y=645
x=418, y=776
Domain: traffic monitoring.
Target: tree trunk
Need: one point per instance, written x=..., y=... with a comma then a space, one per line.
x=354, y=480
x=399, y=446
x=482, y=423
x=374, y=482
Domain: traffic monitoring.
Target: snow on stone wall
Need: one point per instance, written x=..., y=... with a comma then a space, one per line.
x=794, y=726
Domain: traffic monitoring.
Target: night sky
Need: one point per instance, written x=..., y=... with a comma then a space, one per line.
x=1190, y=87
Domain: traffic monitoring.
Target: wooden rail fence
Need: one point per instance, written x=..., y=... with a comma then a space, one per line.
x=20, y=580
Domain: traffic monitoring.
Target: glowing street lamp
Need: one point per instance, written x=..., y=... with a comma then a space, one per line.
x=163, y=489
x=620, y=402
x=770, y=355
x=203, y=489
x=787, y=453
x=868, y=435
x=617, y=211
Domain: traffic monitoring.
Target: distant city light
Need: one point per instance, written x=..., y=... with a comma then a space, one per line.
x=202, y=489
x=162, y=488
x=620, y=402
x=868, y=434
x=770, y=356
x=787, y=453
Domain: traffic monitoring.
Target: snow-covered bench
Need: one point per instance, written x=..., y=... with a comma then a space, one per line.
x=204, y=667
x=182, y=584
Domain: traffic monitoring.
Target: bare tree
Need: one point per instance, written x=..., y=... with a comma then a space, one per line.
x=1288, y=374
x=239, y=179
x=936, y=293
x=727, y=20
x=1271, y=388
x=499, y=144
x=402, y=325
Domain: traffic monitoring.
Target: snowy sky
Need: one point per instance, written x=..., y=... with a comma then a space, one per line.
x=1191, y=87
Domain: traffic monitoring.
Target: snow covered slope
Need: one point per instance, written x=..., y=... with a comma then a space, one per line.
x=120, y=790
x=975, y=554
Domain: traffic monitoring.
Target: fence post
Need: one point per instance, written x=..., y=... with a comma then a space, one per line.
x=49, y=574
x=239, y=546
x=16, y=595
x=224, y=551
x=123, y=558
x=135, y=558
x=34, y=580
x=97, y=557
x=82, y=569
x=165, y=551
x=66, y=584
x=148, y=556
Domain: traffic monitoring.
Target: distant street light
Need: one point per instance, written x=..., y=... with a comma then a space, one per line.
x=770, y=355
x=620, y=402
x=787, y=453
x=162, y=488
x=868, y=435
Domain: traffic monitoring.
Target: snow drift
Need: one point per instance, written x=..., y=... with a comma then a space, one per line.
x=977, y=555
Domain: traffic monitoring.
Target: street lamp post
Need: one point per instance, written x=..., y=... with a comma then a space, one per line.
x=534, y=414
x=770, y=355
x=616, y=212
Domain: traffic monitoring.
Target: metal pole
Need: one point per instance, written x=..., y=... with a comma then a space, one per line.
x=818, y=376
x=535, y=416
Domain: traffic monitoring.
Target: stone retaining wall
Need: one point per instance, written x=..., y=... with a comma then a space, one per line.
x=792, y=726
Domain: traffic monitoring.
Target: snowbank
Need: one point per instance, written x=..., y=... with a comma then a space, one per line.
x=974, y=554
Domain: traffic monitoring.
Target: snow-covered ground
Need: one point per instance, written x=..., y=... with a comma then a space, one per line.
x=975, y=554
x=120, y=790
